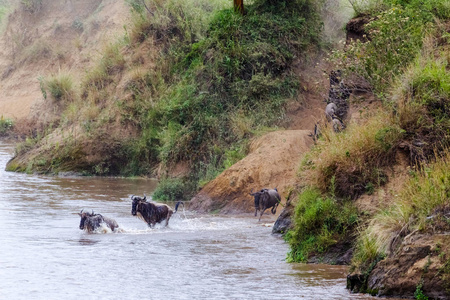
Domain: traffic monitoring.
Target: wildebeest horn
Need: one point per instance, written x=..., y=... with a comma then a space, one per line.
x=132, y=197
x=145, y=197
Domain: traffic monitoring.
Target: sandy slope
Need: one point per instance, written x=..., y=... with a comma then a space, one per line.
x=63, y=35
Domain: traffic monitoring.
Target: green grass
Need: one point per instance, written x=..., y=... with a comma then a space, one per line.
x=423, y=103
x=6, y=125
x=216, y=79
x=319, y=223
x=406, y=61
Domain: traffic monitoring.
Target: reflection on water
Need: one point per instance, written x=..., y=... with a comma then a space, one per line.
x=43, y=254
x=87, y=242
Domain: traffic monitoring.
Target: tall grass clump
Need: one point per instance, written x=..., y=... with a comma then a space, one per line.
x=422, y=101
x=58, y=86
x=172, y=189
x=351, y=163
x=172, y=21
x=319, y=223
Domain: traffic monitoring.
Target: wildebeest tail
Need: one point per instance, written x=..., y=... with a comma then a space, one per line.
x=178, y=204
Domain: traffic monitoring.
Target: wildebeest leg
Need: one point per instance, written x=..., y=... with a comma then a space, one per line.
x=256, y=212
x=168, y=217
x=262, y=211
x=274, y=209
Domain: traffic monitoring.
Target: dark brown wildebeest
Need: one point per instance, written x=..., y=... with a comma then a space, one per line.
x=151, y=212
x=264, y=199
x=91, y=221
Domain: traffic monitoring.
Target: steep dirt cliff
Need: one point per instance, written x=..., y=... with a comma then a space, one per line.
x=61, y=35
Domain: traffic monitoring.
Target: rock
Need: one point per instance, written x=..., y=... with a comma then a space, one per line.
x=284, y=220
x=420, y=260
x=283, y=223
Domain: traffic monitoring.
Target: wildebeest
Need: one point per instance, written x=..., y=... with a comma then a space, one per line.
x=151, y=212
x=330, y=111
x=338, y=126
x=264, y=199
x=316, y=133
x=91, y=221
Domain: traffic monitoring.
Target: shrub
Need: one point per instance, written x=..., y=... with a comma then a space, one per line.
x=319, y=222
x=172, y=189
x=5, y=125
x=111, y=62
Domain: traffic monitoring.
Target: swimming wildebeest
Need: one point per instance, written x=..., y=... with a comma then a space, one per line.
x=264, y=199
x=152, y=212
x=91, y=221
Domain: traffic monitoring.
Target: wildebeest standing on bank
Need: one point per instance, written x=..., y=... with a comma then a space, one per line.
x=91, y=221
x=264, y=199
x=151, y=213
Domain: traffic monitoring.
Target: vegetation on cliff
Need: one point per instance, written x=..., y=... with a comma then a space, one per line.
x=404, y=56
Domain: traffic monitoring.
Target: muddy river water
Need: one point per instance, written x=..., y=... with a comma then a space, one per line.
x=44, y=255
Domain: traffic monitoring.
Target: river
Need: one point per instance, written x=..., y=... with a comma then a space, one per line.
x=44, y=255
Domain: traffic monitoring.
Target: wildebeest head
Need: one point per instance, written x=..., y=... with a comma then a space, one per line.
x=136, y=200
x=84, y=216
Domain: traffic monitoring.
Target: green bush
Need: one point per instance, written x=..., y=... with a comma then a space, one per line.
x=319, y=222
x=5, y=125
x=172, y=189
